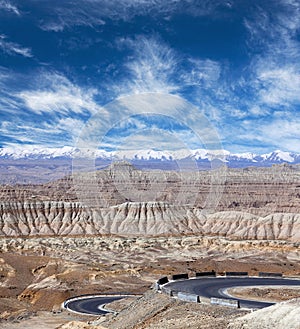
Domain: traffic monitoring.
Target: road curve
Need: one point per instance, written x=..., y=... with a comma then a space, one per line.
x=216, y=287
x=90, y=305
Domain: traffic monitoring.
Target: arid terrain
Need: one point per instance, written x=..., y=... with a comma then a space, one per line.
x=57, y=242
x=258, y=191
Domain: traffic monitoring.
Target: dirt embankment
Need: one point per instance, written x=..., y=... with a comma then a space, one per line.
x=285, y=315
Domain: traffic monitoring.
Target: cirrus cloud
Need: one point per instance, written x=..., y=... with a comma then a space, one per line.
x=58, y=95
x=13, y=48
x=8, y=6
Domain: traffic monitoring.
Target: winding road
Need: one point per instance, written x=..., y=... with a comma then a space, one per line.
x=204, y=286
x=217, y=286
x=90, y=305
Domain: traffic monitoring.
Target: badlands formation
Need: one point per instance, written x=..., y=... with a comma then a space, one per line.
x=119, y=229
x=141, y=219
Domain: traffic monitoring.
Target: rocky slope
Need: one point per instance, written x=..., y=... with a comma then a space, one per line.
x=141, y=218
x=280, y=316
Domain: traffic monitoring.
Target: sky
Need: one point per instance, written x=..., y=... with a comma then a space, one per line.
x=237, y=62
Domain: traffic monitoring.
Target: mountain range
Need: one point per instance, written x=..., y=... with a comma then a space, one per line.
x=201, y=156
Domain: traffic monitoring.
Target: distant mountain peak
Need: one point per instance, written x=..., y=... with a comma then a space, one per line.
x=126, y=157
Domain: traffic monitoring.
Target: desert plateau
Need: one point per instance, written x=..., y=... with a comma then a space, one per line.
x=53, y=246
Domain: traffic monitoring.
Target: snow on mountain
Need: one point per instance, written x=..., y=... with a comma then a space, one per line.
x=34, y=152
x=144, y=155
x=247, y=156
x=232, y=159
x=279, y=156
x=202, y=154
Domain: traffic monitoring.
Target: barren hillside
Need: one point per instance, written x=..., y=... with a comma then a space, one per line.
x=141, y=218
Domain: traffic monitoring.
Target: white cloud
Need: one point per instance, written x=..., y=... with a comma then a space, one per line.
x=8, y=103
x=8, y=6
x=282, y=133
x=71, y=126
x=60, y=132
x=203, y=72
x=21, y=132
x=274, y=72
x=235, y=113
x=272, y=133
x=148, y=138
x=152, y=67
x=273, y=27
x=59, y=95
x=4, y=74
x=167, y=113
x=280, y=86
x=53, y=26
x=95, y=12
x=14, y=48
x=256, y=110
x=284, y=129
x=75, y=16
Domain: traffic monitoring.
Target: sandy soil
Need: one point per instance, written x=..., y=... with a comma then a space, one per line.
x=40, y=320
x=268, y=294
x=285, y=315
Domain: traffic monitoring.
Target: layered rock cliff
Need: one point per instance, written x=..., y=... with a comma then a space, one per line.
x=141, y=218
x=259, y=191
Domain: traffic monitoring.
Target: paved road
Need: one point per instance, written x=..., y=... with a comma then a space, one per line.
x=215, y=287
x=91, y=305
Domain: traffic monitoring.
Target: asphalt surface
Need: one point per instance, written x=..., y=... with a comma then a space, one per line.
x=215, y=287
x=91, y=305
x=205, y=287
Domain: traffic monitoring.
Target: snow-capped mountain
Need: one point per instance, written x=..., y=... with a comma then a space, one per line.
x=67, y=152
x=200, y=155
x=280, y=156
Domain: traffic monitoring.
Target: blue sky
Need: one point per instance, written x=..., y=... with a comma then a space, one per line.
x=237, y=61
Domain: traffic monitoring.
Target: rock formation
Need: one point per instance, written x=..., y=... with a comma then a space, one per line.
x=141, y=218
x=259, y=191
